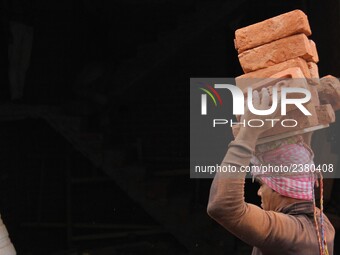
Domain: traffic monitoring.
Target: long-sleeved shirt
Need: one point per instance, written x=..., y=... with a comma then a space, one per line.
x=289, y=230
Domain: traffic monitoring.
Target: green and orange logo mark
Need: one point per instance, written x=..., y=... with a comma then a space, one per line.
x=212, y=94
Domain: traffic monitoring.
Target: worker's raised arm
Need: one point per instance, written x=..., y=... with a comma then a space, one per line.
x=226, y=201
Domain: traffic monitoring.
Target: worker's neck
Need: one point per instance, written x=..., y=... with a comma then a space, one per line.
x=285, y=201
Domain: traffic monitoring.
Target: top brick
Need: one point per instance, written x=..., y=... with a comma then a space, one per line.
x=275, y=28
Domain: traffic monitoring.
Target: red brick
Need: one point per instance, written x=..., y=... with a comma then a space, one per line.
x=245, y=80
x=314, y=73
x=275, y=28
x=329, y=91
x=303, y=122
x=315, y=56
x=313, y=69
x=276, y=52
x=315, y=95
x=325, y=114
x=291, y=77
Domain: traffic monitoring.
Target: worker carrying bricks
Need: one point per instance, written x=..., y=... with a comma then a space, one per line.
x=276, y=53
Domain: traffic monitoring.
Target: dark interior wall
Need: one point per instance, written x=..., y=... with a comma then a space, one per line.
x=76, y=33
x=324, y=21
x=75, y=38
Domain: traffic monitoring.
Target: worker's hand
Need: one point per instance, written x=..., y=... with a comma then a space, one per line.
x=261, y=101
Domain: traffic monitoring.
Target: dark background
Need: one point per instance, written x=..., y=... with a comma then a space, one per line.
x=95, y=155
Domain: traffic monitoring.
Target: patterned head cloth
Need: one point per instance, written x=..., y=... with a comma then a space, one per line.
x=296, y=185
x=286, y=152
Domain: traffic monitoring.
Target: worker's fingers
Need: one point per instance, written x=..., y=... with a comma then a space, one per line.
x=265, y=99
x=256, y=98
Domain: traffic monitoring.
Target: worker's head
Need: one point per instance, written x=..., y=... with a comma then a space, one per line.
x=277, y=192
x=281, y=167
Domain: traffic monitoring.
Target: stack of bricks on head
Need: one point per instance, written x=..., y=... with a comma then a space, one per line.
x=277, y=51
